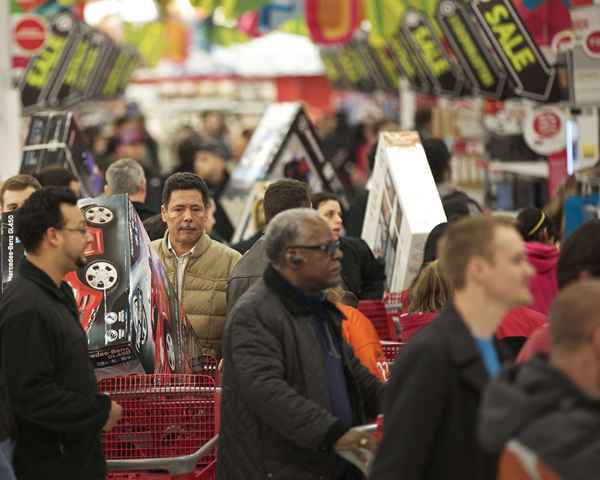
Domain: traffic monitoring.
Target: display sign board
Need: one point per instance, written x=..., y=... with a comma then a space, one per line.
x=544, y=130
x=77, y=63
x=408, y=63
x=403, y=207
x=443, y=72
x=487, y=78
x=527, y=67
x=55, y=140
x=284, y=145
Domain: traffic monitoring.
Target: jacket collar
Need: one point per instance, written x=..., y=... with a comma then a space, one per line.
x=197, y=250
x=63, y=293
x=463, y=348
x=292, y=297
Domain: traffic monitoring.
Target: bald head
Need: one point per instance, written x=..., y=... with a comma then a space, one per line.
x=575, y=315
x=291, y=227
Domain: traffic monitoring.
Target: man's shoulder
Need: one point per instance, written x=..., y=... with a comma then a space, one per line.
x=252, y=264
x=223, y=251
x=259, y=297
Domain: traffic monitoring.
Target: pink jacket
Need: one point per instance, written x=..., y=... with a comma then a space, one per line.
x=543, y=285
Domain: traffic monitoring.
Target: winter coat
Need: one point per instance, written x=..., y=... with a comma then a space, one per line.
x=275, y=408
x=50, y=382
x=244, y=245
x=541, y=408
x=361, y=335
x=539, y=342
x=246, y=272
x=204, y=287
x=517, y=326
x=543, y=285
x=430, y=407
x=362, y=274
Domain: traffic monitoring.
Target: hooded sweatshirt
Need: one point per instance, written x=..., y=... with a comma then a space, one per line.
x=540, y=407
x=543, y=285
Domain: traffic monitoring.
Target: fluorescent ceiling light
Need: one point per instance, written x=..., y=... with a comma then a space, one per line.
x=135, y=11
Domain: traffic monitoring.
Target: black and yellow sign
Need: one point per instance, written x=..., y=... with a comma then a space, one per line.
x=486, y=76
x=406, y=61
x=43, y=69
x=533, y=78
x=443, y=72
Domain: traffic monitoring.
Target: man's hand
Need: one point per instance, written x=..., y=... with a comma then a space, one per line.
x=113, y=417
x=357, y=441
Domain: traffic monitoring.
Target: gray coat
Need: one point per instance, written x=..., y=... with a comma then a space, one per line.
x=275, y=409
x=247, y=272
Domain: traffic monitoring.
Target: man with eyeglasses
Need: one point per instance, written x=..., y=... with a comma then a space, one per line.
x=197, y=266
x=48, y=383
x=292, y=388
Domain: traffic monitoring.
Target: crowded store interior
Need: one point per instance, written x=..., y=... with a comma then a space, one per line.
x=300, y=240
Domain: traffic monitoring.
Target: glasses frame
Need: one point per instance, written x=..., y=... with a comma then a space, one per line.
x=329, y=248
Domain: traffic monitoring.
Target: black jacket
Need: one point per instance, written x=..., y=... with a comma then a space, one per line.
x=431, y=408
x=50, y=382
x=540, y=407
x=143, y=211
x=244, y=245
x=362, y=273
x=275, y=410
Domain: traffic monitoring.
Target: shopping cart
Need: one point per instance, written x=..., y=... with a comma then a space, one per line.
x=391, y=349
x=167, y=430
x=375, y=310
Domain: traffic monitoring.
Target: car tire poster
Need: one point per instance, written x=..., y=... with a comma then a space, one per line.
x=285, y=145
x=403, y=207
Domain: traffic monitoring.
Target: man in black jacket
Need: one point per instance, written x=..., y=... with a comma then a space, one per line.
x=362, y=273
x=551, y=406
x=46, y=371
x=292, y=389
x=433, y=397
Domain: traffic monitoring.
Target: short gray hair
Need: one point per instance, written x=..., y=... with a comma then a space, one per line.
x=125, y=176
x=286, y=229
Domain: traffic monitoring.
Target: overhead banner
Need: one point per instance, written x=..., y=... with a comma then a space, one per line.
x=531, y=74
x=407, y=62
x=486, y=76
x=77, y=63
x=444, y=74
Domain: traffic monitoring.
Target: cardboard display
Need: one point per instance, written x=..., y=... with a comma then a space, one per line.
x=55, y=140
x=443, y=72
x=528, y=69
x=12, y=249
x=285, y=145
x=403, y=207
x=127, y=306
x=487, y=78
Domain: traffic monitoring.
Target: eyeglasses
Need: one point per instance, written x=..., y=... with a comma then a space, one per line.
x=330, y=248
x=83, y=231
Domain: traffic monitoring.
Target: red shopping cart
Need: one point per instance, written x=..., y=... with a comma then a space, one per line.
x=391, y=350
x=167, y=430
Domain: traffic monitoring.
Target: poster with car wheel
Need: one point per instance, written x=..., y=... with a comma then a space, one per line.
x=403, y=207
x=285, y=145
x=127, y=306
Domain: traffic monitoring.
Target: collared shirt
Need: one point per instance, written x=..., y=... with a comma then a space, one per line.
x=182, y=261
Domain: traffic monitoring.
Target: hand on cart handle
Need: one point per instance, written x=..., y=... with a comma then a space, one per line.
x=357, y=441
x=113, y=416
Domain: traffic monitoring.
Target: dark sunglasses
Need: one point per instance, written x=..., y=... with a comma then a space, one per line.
x=330, y=248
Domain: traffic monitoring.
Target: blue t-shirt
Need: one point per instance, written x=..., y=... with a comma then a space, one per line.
x=489, y=355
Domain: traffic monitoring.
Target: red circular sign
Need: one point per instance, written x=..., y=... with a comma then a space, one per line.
x=29, y=34
x=547, y=124
x=592, y=43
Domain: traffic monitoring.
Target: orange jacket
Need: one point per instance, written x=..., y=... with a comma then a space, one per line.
x=519, y=463
x=360, y=333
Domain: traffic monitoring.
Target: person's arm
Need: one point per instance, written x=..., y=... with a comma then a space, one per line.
x=371, y=386
x=28, y=365
x=254, y=356
x=413, y=407
x=373, y=274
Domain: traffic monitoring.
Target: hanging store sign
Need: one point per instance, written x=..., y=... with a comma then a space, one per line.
x=443, y=73
x=486, y=77
x=526, y=65
x=406, y=61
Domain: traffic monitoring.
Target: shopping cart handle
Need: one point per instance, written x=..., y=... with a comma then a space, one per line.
x=173, y=465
